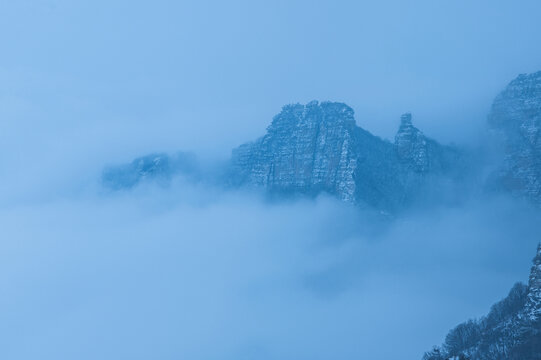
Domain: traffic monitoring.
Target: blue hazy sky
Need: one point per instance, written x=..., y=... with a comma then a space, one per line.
x=215, y=72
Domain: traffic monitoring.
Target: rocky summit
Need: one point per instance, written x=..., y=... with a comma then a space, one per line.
x=308, y=149
x=511, y=330
x=516, y=116
x=318, y=147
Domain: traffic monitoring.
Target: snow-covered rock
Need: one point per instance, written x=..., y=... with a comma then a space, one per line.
x=516, y=116
x=511, y=330
x=317, y=147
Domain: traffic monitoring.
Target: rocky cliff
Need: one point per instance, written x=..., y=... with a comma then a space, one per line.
x=516, y=117
x=317, y=147
x=511, y=330
x=313, y=148
x=421, y=154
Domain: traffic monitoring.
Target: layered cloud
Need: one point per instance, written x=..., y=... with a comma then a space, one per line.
x=196, y=272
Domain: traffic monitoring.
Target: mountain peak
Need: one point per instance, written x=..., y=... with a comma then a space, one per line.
x=312, y=115
x=317, y=147
x=307, y=149
x=405, y=119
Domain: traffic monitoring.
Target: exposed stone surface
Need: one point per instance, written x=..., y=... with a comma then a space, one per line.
x=308, y=149
x=412, y=145
x=318, y=147
x=420, y=153
x=516, y=115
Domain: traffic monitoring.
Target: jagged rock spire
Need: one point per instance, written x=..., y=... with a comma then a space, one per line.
x=405, y=119
x=411, y=145
x=317, y=147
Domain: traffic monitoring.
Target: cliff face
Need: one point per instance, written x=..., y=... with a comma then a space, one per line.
x=307, y=149
x=421, y=154
x=317, y=148
x=511, y=330
x=516, y=116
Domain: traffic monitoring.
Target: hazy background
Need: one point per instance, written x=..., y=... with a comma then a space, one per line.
x=194, y=272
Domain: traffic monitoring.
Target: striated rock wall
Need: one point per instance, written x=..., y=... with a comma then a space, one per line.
x=318, y=147
x=306, y=149
x=516, y=116
x=412, y=146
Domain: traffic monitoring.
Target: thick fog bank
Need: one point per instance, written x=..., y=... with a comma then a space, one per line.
x=193, y=272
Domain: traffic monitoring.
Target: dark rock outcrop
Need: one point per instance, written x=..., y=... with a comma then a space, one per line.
x=317, y=148
x=421, y=154
x=430, y=172
x=511, y=330
x=314, y=148
x=516, y=117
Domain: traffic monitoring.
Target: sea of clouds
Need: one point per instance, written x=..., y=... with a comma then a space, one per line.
x=192, y=271
x=198, y=272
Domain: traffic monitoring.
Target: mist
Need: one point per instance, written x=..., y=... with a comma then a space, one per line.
x=137, y=77
x=197, y=271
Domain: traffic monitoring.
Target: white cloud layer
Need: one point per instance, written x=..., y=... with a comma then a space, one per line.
x=191, y=272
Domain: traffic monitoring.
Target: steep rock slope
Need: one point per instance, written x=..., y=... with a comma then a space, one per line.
x=511, y=330
x=429, y=171
x=516, y=116
x=313, y=148
x=421, y=154
x=317, y=147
